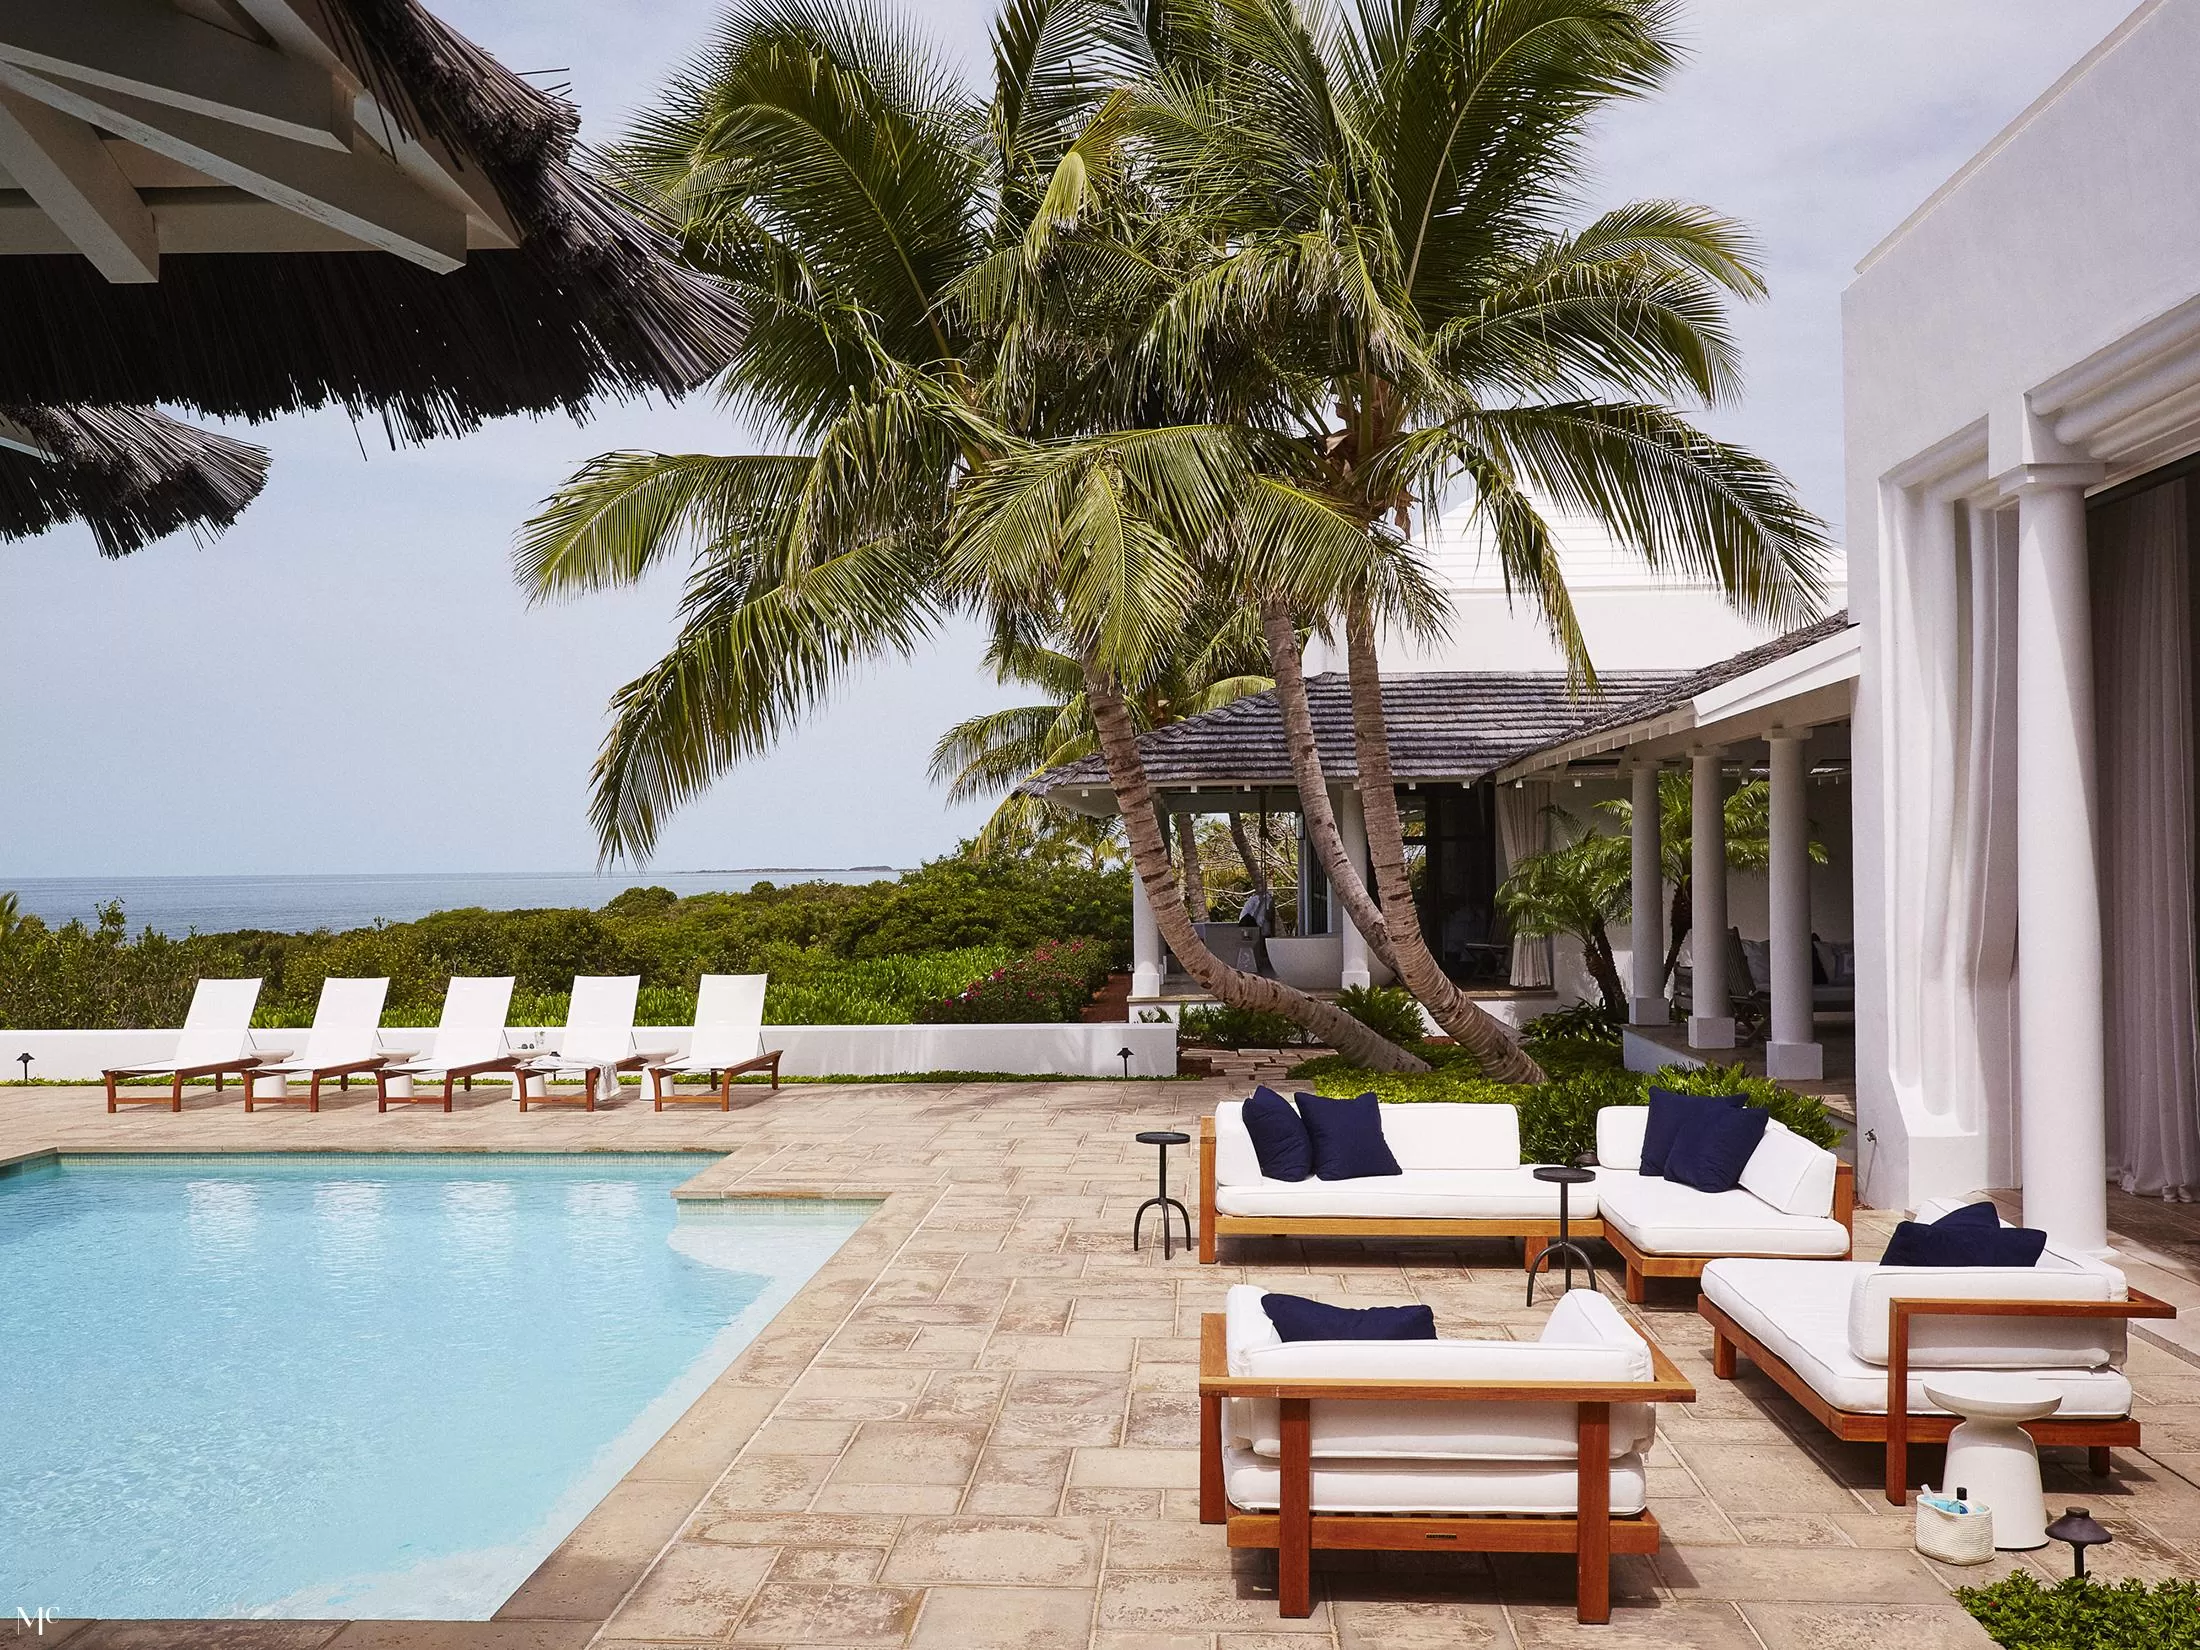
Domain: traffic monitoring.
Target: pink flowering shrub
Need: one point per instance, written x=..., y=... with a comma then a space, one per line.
x=1051, y=982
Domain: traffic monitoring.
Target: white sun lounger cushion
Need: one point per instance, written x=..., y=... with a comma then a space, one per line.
x=217, y=1028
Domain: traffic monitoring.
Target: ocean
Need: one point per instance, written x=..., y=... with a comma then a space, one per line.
x=177, y=905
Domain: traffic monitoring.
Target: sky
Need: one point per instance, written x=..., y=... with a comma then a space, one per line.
x=349, y=681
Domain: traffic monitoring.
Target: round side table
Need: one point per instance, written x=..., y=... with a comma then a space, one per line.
x=1565, y=1178
x=1164, y=1139
x=1991, y=1456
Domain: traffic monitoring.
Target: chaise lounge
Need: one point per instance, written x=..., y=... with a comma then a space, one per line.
x=1463, y=1178
x=1796, y=1201
x=1421, y=1445
x=216, y=1041
x=1856, y=1343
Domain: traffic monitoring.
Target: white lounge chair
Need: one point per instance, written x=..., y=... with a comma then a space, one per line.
x=216, y=1040
x=1419, y=1446
x=1857, y=1344
x=596, y=1045
x=729, y=1039
x=469, y=1042
x=346, y=1039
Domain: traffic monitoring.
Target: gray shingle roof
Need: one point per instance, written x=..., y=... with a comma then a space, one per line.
x=1444, y=725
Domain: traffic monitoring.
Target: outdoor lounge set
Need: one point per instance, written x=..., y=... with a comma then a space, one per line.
x=1328, y=1428
x=595, y=1046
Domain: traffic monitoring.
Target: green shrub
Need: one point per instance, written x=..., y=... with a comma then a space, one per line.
x=1221, y=1026
x=1806, y=1114
x=2020, y=1614
x=1588, y=1021
x=1049, y=983
x=1387, y=1010
x=1576, y=1041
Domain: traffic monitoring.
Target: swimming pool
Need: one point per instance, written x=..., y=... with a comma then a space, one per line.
x=369, y=1385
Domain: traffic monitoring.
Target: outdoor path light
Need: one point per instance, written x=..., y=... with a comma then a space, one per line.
x=2077, y=1527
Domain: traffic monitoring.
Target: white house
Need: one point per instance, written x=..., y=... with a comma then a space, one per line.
x=2023, y=403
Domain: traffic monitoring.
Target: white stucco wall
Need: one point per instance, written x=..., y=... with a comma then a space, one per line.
x=2048, y=287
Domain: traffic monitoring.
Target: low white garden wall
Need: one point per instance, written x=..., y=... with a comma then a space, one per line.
x=811, y=1051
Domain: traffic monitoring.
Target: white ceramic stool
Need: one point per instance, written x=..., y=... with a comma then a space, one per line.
x=1991, y=1456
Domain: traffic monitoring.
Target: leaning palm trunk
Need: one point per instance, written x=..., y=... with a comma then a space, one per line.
x=1195, y=877
x=1313, y=786
x=1256, y=865
x=1150, y=863
x=1469, y=1024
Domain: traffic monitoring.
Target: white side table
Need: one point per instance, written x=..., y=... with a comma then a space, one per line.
x=1991, y=1455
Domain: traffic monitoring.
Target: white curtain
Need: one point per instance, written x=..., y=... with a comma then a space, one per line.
x=2142, y=617
x=1520, y=831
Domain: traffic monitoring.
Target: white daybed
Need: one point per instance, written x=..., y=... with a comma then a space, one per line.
x=1459, y=1446
x=1855, y=1343
x=1463, y=1178
x=1796, y=1201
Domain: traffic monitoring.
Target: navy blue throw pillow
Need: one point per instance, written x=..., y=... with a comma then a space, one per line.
x=1279, y=1136
x=1714, y=1147
x=1971, y=1214
x=1348, y=1137
x=1669, y=1114
x=1298, y=1319
x=1969, y=1241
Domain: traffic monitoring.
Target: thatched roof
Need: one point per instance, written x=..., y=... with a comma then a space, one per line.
x=130, y=474
x=518, y=283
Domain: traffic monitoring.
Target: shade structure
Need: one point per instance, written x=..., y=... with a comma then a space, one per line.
x=261, y=206
x=130, y=474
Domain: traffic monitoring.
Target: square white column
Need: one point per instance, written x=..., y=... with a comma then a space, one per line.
x=1793, y=1049
x=1710, y=1016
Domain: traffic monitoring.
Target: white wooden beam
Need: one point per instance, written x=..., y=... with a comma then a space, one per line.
x=19, y=440
x=63, y=166
x=362, y=196
x=147, y=49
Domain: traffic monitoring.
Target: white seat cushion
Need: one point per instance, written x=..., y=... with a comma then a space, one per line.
x=1664, y=1217
x=1449, y=1487
x=1438, y=1135
x=1790, y=1173
x=1938, y=1342
x=1417, y=1194
x=1619, y=1136
x=1799, y=1310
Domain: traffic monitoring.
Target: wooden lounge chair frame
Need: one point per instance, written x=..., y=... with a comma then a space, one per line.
x=173, y=1099
x=586, y=1099
x=664, y=1082
x=312, y=1098
x=1535, y=1232
x=1897, y=1429
x=1296, y=1532
x=452, y=1076
x=1641, y=1266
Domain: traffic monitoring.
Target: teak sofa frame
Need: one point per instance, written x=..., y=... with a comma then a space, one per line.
x=1296, y=1532
x=1641, y=1266
x=1533, y=1230
x=1897, y=1429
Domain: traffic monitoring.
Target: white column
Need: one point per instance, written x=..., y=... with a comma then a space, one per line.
x=1145, y=943
x=1792, y=1050
x=1352, y=827
x=1648, y=1006
x=2062, y=1148
x=1710, y=1022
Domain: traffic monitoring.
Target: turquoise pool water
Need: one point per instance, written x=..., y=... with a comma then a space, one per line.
x=351, y=1385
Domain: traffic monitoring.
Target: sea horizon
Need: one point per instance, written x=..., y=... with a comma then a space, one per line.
x=300, y=902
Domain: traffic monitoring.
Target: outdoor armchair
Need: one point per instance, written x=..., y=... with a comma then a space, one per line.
x=1857, y=1343
x=728, y=1040
x=1418, y=1446
x=596, y=1045
x=216, y=1040
x=469, y=1042
x=345, y=1040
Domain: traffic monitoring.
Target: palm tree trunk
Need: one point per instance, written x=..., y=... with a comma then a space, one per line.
x=1597, y=951
x=1469, y=1024
x=1306, y=771
x=1150, y=861
x=1678, y=920
x=1256, y=865
x=1195, y=876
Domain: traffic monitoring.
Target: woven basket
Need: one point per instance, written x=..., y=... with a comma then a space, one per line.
x=1955, y=1538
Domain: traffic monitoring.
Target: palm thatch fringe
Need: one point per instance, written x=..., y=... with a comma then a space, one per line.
x=130, y=474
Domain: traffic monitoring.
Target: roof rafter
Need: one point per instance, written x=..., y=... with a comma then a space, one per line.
x=63, y=166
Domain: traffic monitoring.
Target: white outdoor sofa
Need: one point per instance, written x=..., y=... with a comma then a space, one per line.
x=1796, y=1201
x=1855, y=1343
x=1458, y=1446
x=1463, y=1178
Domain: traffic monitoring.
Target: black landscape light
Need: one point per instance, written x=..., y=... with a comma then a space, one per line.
x=2077, y=1527
x=25, y=1057
x=1124, y=1055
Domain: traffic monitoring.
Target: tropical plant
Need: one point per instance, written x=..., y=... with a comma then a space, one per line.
x=1392, y=1012
x=1577, y=889
x=1225, y=1026
x=2081, y=1614
x=11, y=914
x=915, y=318
x=1386, y=277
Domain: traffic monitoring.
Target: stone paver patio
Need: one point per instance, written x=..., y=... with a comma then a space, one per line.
x=974, y=1429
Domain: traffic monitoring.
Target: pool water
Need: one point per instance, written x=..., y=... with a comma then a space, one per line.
x=333, y=1386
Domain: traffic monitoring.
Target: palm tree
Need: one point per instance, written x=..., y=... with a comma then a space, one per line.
x=1580, y=889
x=913, y=320
x=1382, y=193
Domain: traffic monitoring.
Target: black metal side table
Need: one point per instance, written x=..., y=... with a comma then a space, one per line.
x=1163, y=1138
x=1566, y=1178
